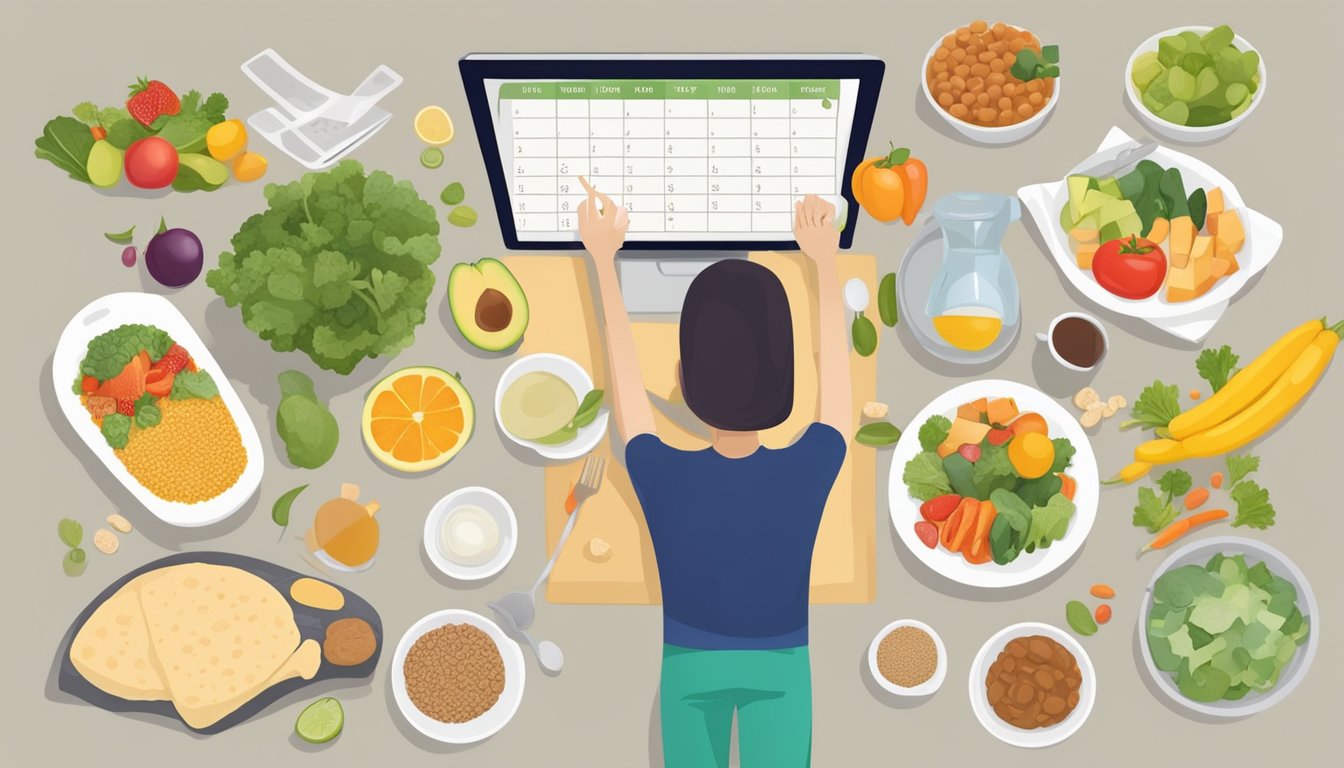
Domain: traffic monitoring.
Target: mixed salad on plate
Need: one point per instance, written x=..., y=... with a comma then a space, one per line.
x=160, y=414
x=1119, y=226
x=992, y=482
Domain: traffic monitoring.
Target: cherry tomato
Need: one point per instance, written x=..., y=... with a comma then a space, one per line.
x=1132, y=268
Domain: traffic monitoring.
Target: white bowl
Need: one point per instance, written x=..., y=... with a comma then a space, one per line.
x=1035, y=737
x=1254, y=702
x=578, y=380
x=493, y=719
x=117, y=309
x=1028, y=566
x=498, y=508
x=1006, y=134
x=925, y=688
x=1190, y=134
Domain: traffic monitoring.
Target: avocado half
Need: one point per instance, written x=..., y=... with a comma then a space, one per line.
x=487, y=303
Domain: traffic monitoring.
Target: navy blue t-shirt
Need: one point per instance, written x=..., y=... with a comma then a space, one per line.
x=733, y=537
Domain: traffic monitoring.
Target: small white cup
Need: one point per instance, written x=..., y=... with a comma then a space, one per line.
x=1049, y=338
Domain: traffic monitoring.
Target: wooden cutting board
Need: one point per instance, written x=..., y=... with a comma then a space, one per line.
x=561, y=298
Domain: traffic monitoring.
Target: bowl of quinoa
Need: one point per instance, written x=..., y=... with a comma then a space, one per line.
x=140, y=389
x=456, y=677
x=907, y=658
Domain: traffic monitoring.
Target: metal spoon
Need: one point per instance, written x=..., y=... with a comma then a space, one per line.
x=548, y=654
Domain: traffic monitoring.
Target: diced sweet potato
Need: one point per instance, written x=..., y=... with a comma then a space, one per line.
x=1159, y=231
x=1229, y=239
x=1001, y=410
x=1182, y=240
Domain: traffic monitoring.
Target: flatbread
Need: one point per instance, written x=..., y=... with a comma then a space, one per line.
x=112, y=649
x=219, y=634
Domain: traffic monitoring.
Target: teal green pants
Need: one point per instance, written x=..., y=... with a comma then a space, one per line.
x=770, y=690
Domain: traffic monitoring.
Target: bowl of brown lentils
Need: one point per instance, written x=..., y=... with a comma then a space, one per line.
x=907, y=658
x=456, y=677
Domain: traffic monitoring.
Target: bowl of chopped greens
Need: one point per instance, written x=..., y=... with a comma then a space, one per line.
x=1228, y=627
x=993, y=484
x=1195, y=84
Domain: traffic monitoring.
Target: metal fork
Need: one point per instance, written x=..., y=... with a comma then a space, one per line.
x=521, y=607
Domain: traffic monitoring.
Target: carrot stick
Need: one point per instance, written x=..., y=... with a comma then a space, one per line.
x=1216, y=480
x=1068, y=486
x=1196, y=498
x=1179, y=528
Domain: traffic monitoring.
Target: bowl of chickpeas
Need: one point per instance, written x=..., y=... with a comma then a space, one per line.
x=969, y=80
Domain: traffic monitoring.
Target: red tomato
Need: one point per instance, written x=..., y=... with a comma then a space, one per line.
x=151, y=163
x=927, y=533
x=1133, y=268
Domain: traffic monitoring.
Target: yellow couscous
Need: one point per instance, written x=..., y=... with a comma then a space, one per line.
x=195, y=453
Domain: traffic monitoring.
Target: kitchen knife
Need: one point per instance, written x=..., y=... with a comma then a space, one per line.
x=1114, y=161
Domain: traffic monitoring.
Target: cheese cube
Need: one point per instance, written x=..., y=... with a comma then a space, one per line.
x=1229, y=239
x=963, y=431
x=1182, y=240
x=1085, y=252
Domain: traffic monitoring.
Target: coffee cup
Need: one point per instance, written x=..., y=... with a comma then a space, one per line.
x=1076, y=340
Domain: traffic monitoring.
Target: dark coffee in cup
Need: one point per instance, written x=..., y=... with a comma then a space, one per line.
x=1078, y=341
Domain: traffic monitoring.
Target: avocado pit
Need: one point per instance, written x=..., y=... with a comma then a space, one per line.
x=494, y=311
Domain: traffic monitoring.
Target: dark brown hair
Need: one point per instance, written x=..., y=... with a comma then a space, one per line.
x=737, y=347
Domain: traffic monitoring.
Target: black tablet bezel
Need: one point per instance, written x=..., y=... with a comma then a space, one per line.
x=475, y=71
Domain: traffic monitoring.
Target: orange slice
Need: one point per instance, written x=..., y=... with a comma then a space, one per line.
x=417, y=419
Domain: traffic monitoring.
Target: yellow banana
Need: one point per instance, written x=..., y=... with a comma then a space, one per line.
x=1248, y=384
x=1130, y=473
x=1261, y=416
x=1160, y=451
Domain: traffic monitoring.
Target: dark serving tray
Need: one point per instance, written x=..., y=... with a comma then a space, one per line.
x=311, y=622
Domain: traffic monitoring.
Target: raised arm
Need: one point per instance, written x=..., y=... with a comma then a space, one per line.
x=814, y=229
x=603, y=234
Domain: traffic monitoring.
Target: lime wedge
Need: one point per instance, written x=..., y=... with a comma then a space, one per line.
x=320, y=721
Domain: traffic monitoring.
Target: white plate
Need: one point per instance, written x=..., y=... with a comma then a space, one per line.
x=498, y=508
x=119, y=309
x=923, y=689
x=1036, y=737
x=1005, y=134
x=1198, y=553
x=1188, y=133
x=578, y=380
x=493, y=719
x=1028, y=566
x=1263, y=237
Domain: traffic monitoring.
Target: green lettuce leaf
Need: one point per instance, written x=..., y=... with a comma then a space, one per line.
x=66, y=142
x=924, y=476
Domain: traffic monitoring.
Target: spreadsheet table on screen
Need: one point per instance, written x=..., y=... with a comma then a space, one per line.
x=689, y=159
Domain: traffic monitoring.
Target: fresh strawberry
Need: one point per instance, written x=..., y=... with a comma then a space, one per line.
x=174, y=360
x=126, y=406
x=150, y=100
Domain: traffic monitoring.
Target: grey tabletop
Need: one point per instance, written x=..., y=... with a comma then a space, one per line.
x=602, y=710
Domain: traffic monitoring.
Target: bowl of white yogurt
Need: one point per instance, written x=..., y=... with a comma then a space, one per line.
x=471, y=533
